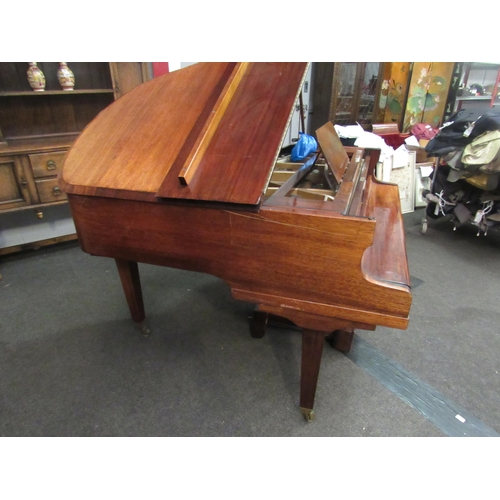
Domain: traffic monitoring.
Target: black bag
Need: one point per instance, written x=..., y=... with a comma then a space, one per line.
x=451, y=135
x=488, y=121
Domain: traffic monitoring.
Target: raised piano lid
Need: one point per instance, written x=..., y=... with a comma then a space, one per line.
x=211, y=131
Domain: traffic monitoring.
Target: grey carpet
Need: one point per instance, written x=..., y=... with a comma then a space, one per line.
x=73, y=364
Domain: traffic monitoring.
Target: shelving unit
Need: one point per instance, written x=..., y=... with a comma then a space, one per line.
x=38, y=128
x=478, y=87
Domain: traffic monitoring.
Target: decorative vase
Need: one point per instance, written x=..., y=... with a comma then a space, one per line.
x=36, y=78
x=66, y=77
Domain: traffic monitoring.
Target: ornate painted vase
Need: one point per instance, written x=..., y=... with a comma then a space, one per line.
x=36, y=78
x=66, y=77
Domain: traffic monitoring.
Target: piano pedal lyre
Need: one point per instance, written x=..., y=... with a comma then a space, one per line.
x=258, y=324
x=341, y=340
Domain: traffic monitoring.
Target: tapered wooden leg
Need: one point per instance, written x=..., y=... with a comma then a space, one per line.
x=129, y=276
x=312, y=349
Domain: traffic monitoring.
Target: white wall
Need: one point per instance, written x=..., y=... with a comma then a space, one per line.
x=173, y=66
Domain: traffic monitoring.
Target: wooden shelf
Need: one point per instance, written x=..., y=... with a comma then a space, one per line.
x=470, y=74
x=56, y=92
x=475, y=98
x=32, y=144
x=36, y=207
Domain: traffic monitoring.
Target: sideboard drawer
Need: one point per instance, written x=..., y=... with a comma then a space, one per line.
x=45, y=164
x=49, y=191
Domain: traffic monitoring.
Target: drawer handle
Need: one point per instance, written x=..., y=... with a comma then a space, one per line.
x=51, y=165
x=56, y=191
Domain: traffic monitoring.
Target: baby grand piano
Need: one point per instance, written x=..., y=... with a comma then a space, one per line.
x=185, y=171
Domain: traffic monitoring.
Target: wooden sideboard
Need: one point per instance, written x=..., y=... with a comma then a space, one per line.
x=37, y=128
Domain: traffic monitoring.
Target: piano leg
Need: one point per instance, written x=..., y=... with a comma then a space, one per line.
x=316, y=330
x=312, y=348
x=258, y=324
x=131, y=283
x=341, y=340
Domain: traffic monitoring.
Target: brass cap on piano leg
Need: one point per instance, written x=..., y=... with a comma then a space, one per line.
x=308, y=413
x=144, y=328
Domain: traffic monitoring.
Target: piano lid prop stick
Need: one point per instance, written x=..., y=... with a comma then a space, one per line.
x=193, y=160
x=302, y=120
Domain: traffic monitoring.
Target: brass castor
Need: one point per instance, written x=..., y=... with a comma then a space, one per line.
x=144, y=328
x=308, y=414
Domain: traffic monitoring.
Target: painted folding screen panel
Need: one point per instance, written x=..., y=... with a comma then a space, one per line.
x=429, y=86
x=393, y=92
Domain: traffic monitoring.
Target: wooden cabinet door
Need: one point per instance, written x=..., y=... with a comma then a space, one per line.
x=345, y=93
x=14, y=189
x=128, y=75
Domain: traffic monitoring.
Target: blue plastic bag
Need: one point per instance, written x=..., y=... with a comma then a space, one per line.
x=305, y=146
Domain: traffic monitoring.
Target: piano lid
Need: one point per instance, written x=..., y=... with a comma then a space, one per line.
x=211, y=131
